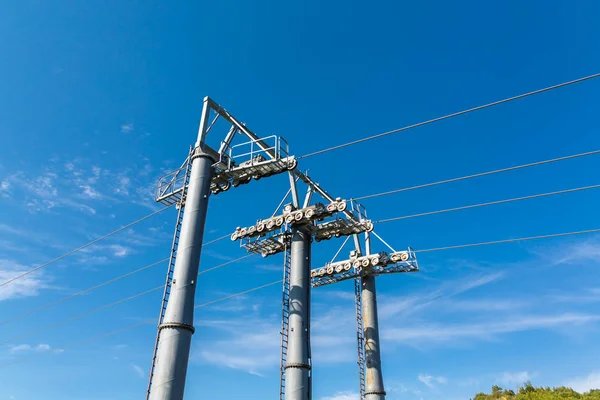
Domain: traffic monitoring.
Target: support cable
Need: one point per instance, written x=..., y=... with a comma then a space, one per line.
x=490, y=203
x=238, y=294
x=149, y=321
x=522, y=239
x=216, y=240
x=448, y=116
x=81, y=292
x=224, y=264
x=83, y=247
x=85, y=314
x=496, y=171
x=146, y=322
x=104, y=307
x=51, y=304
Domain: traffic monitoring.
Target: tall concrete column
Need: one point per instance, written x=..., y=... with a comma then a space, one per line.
x=177, y=329
x=374, y=389
x=297, y=368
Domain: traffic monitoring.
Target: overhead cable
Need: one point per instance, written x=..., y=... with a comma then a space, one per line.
x=273, y=283
x=225, y=263
x=522, y=239
x=104, y=307
x=110, y=281
x=490, y=203
x=85, y=314
x=496, y=171
x=448, y=116
x=149, y=321
x=145, y=322
x=239, y=294
x=216, y=240
x=81, y=292
x=83, y=247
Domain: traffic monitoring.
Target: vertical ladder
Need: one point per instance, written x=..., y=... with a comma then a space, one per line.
x=360, y=335
x=169, y=280
x=285, y=318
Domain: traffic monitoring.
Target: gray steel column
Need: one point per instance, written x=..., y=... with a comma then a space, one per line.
x=177, y=328
x=374, y=378
x=297, y=368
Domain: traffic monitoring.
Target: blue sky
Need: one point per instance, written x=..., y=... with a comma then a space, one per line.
x=98, y=99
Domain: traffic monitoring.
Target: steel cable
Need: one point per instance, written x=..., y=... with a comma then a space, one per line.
x=149, y=321
x=553, y=235
x=448, y=116
x=48, y=305
x=104, y=307
x=490, y=203
x=83, y=247
x=145, y=322
x=496, y=171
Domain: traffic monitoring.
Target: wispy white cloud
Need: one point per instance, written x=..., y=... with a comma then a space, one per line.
x=127, y=128
x=96, y=171
x=485, y=305
x=27, y=348
x=137, y=238
x=92, y=260
x=41, y=193
x=122, y=184
x=90, y=192
x=27, y=286
x=437, y=333
x=78, y=184
x=343, y=396
x=585, y=383
x=469, y=382
x=269, y=267
x=12, y=230
x=570, y=252
x=581, y=296
x=5, y=188
x=333, y=334
x=430, y=380
x=216, y=255
x=138, y=370
x=119, y=250
x=337, y=294
x=514, y=378
x=253, y=350
x=251, y=364
x=390, y=307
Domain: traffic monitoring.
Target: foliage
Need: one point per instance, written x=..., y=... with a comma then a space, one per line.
x=529, y=392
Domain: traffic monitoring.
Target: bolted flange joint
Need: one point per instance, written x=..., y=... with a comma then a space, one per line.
x=381, y=392
x=199, y=152
x=176, y=325
x=298, y=365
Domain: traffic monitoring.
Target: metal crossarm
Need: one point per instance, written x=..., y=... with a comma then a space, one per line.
x=376, y=264
x=290, y=216
x=340, y=227
x=269, y=246
x=233, y=166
